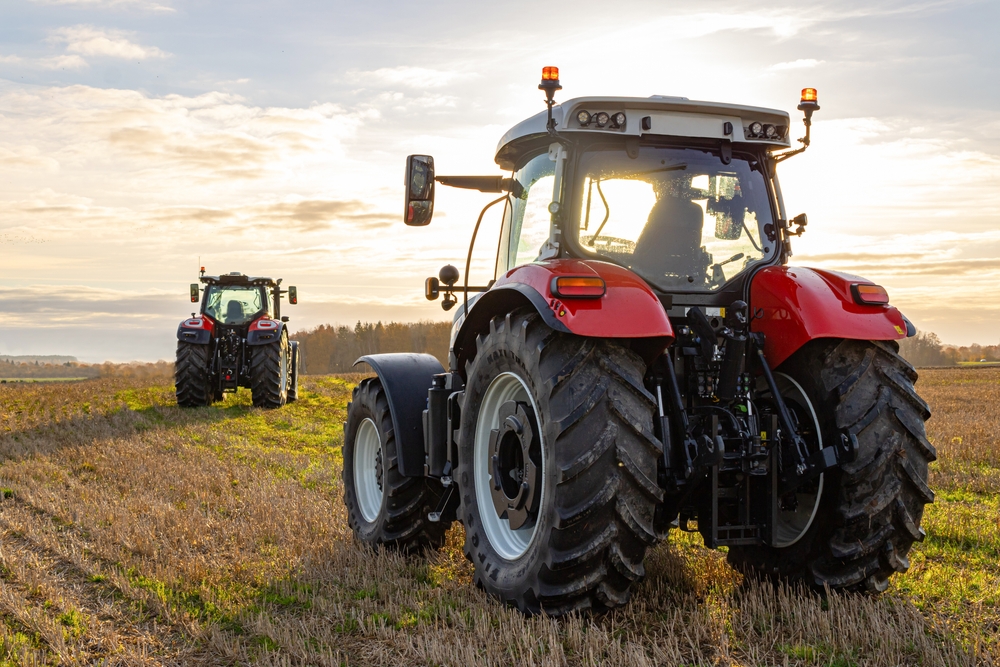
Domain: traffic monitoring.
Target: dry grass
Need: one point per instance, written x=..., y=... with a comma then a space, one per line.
x=134, y=533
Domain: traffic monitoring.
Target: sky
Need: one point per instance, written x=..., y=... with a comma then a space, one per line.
x=139, y=138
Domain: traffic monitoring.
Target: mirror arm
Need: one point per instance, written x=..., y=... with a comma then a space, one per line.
x=489, y=184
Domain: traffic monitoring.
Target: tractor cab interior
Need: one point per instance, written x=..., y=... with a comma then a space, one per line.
x=681, y=218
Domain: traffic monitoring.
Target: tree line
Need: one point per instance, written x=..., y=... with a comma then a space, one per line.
x=334, y=349
x=13, y=370
x=926, y=349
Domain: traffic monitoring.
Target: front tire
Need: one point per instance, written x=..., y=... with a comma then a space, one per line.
x=269, y=374
x=293, y=381
x=870, y=509
x=191, y=375
x=383, y=506
x=578, y=541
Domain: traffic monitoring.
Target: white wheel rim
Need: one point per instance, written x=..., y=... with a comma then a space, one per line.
x=367, y=446
x=792, y=525
x=508, y=543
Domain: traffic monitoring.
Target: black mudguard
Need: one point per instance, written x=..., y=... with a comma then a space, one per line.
x=197, y=336
x=265, y=336
x=406, y=378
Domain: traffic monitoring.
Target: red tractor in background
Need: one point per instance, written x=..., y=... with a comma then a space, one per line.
x=644, y=360
x=238, y=340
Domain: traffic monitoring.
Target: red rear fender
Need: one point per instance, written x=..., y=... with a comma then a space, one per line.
x=794, y=305
x=628, y=309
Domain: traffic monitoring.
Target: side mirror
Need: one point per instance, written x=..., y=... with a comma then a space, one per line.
x=419, y=190
x=293, y=295
x=194, y=292
x=432, y=288
x=284, y=318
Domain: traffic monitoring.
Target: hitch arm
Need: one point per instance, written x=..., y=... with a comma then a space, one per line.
x=784, y=418
x=809, y=465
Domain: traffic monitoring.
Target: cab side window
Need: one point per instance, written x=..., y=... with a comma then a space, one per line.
x=530, y=217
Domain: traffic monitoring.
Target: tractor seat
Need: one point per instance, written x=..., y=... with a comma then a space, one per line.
x=670, y=243
x=234, y=313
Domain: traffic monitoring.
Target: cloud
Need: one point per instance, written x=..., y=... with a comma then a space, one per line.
x=54, y=62
x=802, y=63
x=144, y=5
x=315, y=215
x=221, y=155
x=158, y=143
x=26, y=157
x=92, y=41
x=62, y=62
x=411, y=77
x=50, y=306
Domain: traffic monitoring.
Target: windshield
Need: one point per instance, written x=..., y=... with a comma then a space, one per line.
x=678, y=217
x=232, y=304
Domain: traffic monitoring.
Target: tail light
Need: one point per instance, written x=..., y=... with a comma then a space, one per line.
x=870, y=295
x=578, y=287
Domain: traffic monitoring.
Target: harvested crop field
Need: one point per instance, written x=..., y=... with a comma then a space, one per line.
x=134, y=533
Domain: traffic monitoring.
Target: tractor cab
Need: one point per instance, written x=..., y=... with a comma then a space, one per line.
x=236, y=300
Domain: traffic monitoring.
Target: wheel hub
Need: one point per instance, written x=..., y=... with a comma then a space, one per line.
x=514, y=463
x=378, y=468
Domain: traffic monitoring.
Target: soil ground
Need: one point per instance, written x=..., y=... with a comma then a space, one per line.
x=136, y=533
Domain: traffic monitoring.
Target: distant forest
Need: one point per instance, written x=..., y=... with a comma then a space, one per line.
x=13, y=370
x=926, y=349
x=334, y=349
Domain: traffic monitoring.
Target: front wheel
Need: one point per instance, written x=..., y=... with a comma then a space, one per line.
x=869, y=510
x=269, y=374
x=293, y=380
x=383, y=506
x=557, y=468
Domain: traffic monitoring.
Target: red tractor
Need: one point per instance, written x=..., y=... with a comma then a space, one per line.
x=644, y=359
x=238, y=340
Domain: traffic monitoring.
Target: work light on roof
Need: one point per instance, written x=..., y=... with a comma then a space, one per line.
x=583, y=118
x=601, y=118
x=770, y=131
x=618, y=120
x=756, y=128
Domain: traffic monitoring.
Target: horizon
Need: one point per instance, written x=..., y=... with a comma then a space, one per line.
x=141, y=139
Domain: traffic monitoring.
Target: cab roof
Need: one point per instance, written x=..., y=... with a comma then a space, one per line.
x=237, y=278
x=647, y=116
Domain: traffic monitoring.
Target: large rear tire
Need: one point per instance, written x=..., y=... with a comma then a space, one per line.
x=269, y=374
x=383, y=506
x=870, y=510
x=192, y=375
x=557, y=468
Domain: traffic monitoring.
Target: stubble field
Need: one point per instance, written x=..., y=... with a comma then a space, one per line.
x=134, y=533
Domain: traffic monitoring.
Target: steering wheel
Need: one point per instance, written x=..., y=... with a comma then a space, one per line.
x=610, y=242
